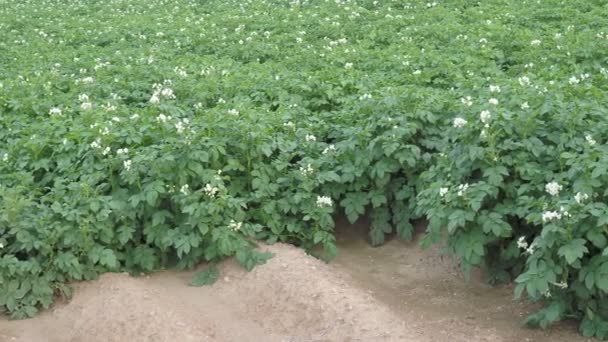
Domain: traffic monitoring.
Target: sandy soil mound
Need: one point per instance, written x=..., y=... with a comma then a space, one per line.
x=294, y=297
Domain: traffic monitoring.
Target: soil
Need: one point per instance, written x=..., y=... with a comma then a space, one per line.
x=396, y=292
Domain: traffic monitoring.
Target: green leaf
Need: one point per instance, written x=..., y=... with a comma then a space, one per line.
x=600, y=277
x=496, y=225
x=354, y=205
x=108, y=258
x=573, y=251
x=597, y=237
x=378, y=199
x=249, y=258
x=205, y=277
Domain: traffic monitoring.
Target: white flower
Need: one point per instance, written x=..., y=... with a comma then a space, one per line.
x=525, y=106
x=551, y=215
x=485, y=116
x=154, y=99
x=106, y=151
x=535, y=42
x=467, y=101
x=55, y=111
x=365, y=97
x=235, y=226
x=179, y=126
x=83, y=97
x=134, y=116
x=310, y=137
x=573, y=80
x=96, y=143
x=561, y=285
x=324, y=201
x=115, y=119
x=494, y=89
x=521, y=242
x=122, y=151
x=306, y=170
x=564, y=212
x=210, y=190
x=162, y=118
x=86, y=105
x=462, y=188
x=233, y=111
x=184, y=189
x=524, y=81
x=88, y=80
x=348, y=65
x=459, y=122
x=221, y=100
x=5, y=157
x=443, y=191
x=553, y=188
x=330, y=148
x=417, y=72
x=1, y=245
x=493, y=101
x=530, y=250
x=289, y=124
x=127, y=164
x=590, y=139
x=168, y=93
x=580, y=197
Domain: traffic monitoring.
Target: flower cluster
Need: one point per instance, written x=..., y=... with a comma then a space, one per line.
x=306, y=170
x=329, y=149
x=551, y=215
x=162, y=91
x=127, y=164
x=185, y=189
x=462, y=188
x=485, y=116
x=523, y=244
x=55, y=111
x=553, y=188
x=181, y=125
x=580, y=197
x=324, y=201
x=310, y=138
x=85, y=103
x=211, y=190
x=459, y=122
x=235, y=226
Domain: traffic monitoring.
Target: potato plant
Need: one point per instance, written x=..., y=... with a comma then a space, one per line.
x=140, y=135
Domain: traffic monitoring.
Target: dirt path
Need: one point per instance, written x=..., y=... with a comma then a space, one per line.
x=393, y=293
x=427, y=289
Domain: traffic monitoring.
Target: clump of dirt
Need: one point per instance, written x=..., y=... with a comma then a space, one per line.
x=293, y=297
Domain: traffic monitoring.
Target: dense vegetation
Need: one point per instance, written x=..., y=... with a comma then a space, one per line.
x=137, y=135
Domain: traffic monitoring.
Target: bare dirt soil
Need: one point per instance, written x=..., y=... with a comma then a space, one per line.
x=393, y=293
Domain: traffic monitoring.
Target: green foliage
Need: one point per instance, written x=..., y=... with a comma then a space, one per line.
x=139, y=135
x=206, y=277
